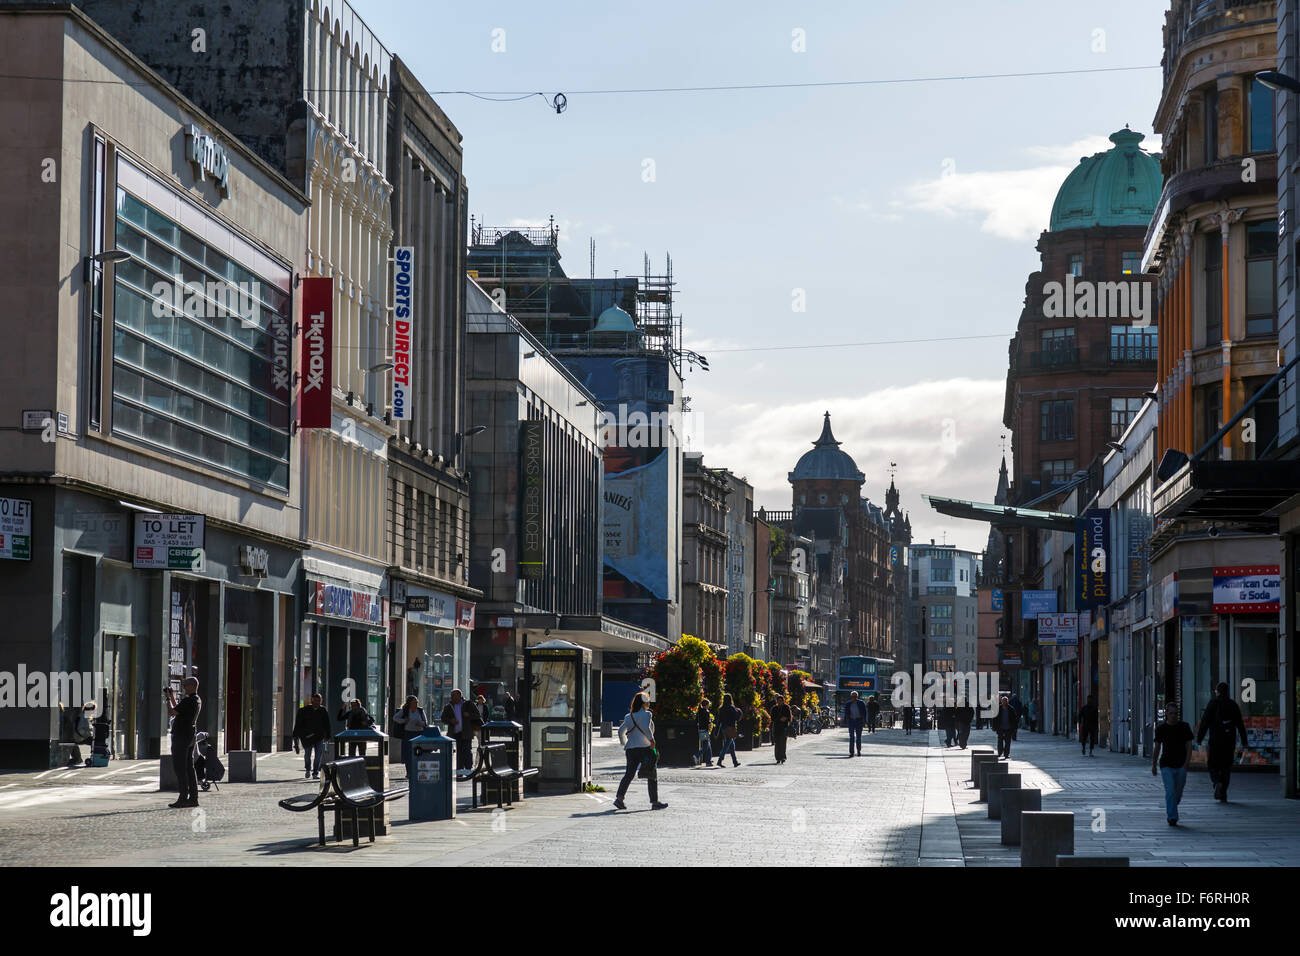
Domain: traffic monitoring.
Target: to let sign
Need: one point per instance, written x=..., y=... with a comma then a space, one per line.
x=169, y=541
x=16, y=529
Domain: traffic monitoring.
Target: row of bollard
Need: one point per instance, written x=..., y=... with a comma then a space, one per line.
x=1044, y=838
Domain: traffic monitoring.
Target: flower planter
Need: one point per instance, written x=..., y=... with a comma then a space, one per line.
x=745, y=741
x=767, y=737
x=677, y=742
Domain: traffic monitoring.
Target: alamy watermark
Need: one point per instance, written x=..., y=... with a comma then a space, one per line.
x=946, y=689
x=46, y=689
x=208, y=300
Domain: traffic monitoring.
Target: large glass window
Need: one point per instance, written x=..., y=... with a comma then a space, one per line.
x=1076, y=264
x=1213, y=246
x=1057, y=420
x=1261, y=117
x=1211, y=126
x=195, y=346
x=1132, y=344
x=1261, y=277
x=1057, y=471
x=1122, y=411
x=1212, y=410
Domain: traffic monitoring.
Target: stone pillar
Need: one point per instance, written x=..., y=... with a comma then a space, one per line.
x=975, y=752
x=998, y=783
x=1014, y=803
x=1044, y=836
x=986, y=768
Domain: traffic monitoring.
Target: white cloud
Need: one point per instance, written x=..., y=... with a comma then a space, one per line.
x=944, y=436
x=1012, y=204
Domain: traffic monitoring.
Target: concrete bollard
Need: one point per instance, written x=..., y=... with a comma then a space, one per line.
x=167, y=775
x=999, y=782
x=981, y=760
x=1069, y=860
x=242, y=766
x=1014, y=803
x=977, y=752
x=1044, y=836
x=986, y=768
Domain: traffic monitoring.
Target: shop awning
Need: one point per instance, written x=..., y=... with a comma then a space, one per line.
x=1002, y=514
x=607, y=634
x=1248, y=492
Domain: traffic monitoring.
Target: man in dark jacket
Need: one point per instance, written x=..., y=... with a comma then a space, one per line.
x=311, y=728
x=1088, y=720
x=1005, y=726
x=463, y=721
x=948, y=724
x=184, y=726
x=855, y=715
x=354, y=717
x=965, y=714
x=1222, y=721
x=873, y=714
x=704, y=728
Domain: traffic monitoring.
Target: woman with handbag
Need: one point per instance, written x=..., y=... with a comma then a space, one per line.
x=729, y=728
x=637, y=735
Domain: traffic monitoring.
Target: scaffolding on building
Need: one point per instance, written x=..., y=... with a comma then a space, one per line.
x=524, y=261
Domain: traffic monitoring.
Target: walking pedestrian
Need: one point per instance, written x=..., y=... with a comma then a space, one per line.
x=463, y=721
x=1222, y=722
x=964, y=714
x=704, y=726
x=1172, y=750
x=1088, y=726
x=855, y=715
x=729, y=729
x=907, y=719
x=1033, y=715
x=511, y=706
x=311, y=728
x=1005, y=726
x=354, y=717
x=637, y=735
x=782, y=716
x=184, y=726
x=873, y=713
x=411, y=720
x=948, y=724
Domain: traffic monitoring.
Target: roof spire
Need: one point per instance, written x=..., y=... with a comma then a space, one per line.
x=826, y=437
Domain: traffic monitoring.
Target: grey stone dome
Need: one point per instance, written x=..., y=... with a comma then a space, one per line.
x=826, y=461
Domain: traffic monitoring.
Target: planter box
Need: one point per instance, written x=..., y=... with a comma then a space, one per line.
x=677, y=741
x=745, y=742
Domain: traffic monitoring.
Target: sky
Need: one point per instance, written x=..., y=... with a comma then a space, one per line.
x=803, y=222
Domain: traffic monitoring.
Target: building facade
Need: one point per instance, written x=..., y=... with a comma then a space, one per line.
x=705, y=551
x=431, y=604
x=157, y=469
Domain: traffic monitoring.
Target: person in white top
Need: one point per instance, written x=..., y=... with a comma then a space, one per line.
x=637, y=735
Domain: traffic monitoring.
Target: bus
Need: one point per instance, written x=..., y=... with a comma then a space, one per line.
x=866, y=675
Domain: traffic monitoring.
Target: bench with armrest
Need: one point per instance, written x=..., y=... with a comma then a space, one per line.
x=345, y=786
x=495, y=763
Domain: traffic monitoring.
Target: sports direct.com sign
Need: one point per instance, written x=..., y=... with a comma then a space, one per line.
x=403, y=289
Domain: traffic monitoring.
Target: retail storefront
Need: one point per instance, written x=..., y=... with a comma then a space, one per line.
x=429, y=636
x=343, y=652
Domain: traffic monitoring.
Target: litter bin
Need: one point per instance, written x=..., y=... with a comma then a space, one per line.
x=376, y=757
x=431, y=776
x=512, y=735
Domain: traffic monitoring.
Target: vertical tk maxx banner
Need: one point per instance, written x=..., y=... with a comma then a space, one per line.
x=315, y=406
x=1092, y=558
x=403, y=290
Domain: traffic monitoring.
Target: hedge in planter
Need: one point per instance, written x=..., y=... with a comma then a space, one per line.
x=678, y=689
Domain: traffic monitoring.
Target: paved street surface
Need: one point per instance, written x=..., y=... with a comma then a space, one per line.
x=905, y=802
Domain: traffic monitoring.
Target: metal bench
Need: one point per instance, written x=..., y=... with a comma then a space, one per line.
x=345, y=785
x=495, y=762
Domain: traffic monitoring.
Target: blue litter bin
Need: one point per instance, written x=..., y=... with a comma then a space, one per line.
x=431, y=776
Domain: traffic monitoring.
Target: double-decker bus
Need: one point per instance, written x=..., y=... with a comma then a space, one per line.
x=866, y=675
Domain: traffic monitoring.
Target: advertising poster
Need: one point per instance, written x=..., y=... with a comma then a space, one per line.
x=1092, y=558
x=314, y=406
x=1247, y=590
x=403, y=292
x=16, y=529
x=1034, y=603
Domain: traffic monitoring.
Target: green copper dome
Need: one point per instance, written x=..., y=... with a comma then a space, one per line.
x=1119, y=187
